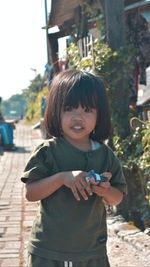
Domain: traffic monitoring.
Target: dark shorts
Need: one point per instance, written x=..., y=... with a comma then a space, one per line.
x=36, y=261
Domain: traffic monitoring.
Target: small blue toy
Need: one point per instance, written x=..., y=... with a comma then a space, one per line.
x=98, y=178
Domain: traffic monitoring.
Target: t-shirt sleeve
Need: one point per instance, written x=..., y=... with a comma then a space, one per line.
x=118, y=179
x=38, y=166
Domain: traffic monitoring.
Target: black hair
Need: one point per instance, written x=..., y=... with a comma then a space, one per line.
x=70, y=88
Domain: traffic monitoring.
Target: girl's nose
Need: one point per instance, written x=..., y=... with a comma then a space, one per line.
x=77, y=114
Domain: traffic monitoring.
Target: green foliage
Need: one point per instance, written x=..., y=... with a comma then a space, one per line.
x=145, y=160
x=134, y=155
x=129, y=150
x=34, y=94
x=115, y=68
x=132, y=148
x=34, y=105
x=103, y=61
x=35, y=87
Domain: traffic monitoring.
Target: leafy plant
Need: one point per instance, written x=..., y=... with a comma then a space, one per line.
x=134, y=155
x=132, y=148
x=114, y=67
x=33, y=113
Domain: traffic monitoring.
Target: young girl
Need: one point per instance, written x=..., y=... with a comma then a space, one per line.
x=70, y=227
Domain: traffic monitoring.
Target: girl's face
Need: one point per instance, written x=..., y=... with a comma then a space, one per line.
x=78, y=123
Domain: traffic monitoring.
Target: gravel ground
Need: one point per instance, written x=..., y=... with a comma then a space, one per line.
x=127, y=245
x=122, y=254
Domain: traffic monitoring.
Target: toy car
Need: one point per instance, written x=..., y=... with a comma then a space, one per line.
x=98, y=178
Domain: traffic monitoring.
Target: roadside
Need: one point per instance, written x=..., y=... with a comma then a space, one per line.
x=127, y=245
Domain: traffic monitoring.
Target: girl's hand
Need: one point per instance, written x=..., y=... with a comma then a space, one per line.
x=76, y=181
x=101, y=189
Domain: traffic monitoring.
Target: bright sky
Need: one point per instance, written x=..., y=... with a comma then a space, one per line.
x=22, y=45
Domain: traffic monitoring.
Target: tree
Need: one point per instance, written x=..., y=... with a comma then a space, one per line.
x=115, y=34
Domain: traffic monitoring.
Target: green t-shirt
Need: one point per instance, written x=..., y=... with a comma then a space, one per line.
x=64, y=228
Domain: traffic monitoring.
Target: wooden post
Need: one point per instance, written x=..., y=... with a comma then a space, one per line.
x=115, y=32
x=114, y=15
x=53, y=43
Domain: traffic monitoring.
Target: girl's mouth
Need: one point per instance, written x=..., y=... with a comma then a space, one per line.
x=77, y=128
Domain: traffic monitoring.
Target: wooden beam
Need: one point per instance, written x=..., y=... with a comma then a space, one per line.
x=114, y=15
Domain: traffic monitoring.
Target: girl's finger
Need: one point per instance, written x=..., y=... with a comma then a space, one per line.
x=75, y=193
x=107, y=174
x=105, y=184
x=81, y=190
x=86, y=186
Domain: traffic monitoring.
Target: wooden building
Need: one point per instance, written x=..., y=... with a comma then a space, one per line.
x=79, y=19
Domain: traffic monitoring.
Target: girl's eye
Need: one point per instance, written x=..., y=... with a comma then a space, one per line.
x=88, y=109
x=68, y=108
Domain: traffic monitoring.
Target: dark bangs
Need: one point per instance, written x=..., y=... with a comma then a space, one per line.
x=84, y=92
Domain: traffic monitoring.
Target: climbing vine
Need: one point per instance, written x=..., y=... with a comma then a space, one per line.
x=131, y=147
x=114, y=67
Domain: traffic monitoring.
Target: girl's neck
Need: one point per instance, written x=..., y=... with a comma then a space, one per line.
x=84, y=145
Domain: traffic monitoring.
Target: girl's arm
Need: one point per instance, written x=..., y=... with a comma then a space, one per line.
x=75, y=180
x=40, y=189
x=111, y=195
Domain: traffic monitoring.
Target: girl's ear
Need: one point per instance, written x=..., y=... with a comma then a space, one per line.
x=93, y=132
x=92, y=135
